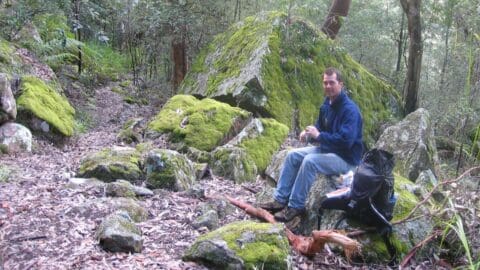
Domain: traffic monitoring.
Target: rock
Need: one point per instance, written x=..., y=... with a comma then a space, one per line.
x=222, y=207
x=242, y=245
x=275, y=167
x=80, y=183
x=208, y=219
x=118, y=233
x=169, y=169
x=8, y=106
x=197, y=155
x=137, y=212
x=123, y=188
x=28, y=35
x=202, y=124
x=15, y=138
x=201, y=170
x=111, y=164
x=255, y=66
x=131, y=132
x=261, y=138
x=412, y=142
x=196, y=191
x=233, y=163
x=42, y=101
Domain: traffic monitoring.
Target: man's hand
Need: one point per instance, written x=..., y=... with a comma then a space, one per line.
x=311, y=132
x=303, y=136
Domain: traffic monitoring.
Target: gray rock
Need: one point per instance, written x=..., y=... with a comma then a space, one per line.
x=208, y=219
x=169, y=169
x=136, y=212
x=80, y=183
x=233, y=163
x=412, y=142
x=8, y=106
x=242, y=245
x=118, y=233
x=123, y=188
x=15, y=138
x=274, y=168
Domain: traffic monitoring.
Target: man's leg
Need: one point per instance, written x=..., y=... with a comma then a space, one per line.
x=313, y=164
x=289, y=172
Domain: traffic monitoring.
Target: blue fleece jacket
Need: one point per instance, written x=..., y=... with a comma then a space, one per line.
x=340, y=125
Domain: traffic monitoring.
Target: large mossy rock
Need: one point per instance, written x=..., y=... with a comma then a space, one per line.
x=111, y=164
x=8, y=106
x=203, y=124
x=273, y=67
x=242, y=245
x=42, y=101
x=169, y=169
x=233, y=163
x=413, y=144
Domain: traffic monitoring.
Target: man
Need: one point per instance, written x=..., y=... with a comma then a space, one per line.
x=339, y=131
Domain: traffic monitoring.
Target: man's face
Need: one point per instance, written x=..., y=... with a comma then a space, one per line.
x=332, y=86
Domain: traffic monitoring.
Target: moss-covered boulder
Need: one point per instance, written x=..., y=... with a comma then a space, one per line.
x=15, y=138
x=233, y=163
x=242, y=245
x=111, y=164
x=42, y=101
x=169, y=169
x=118, y=233
x=273, y=67
x=413, y=144
x=8, y=106
x=203, y=124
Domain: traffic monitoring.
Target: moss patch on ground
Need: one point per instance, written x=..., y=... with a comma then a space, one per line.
x=202, y=124
x=41, y=100
x=290, y=73
x=259, y=245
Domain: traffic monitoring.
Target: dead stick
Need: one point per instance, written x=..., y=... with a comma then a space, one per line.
x=416, y=247
x=27, y=238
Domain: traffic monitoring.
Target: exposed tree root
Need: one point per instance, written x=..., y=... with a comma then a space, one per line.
x=308, y=246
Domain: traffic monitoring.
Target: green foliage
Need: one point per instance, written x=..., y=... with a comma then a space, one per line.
x=44, y=102
x=456, y=225
x=5, y=172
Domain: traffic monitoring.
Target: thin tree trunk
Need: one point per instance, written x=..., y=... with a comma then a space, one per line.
x=332, y=24
x=179, y=56
x=415, y=52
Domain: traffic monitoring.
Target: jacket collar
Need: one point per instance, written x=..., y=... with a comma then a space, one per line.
x=339, y=100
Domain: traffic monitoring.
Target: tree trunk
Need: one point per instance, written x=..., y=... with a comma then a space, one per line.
x=415, y=52
x=332, y=23
x=179, y=56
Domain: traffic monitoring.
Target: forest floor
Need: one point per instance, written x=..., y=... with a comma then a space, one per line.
x=46, y=225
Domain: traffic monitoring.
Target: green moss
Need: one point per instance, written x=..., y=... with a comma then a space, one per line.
x=261, y=148
x=205, y=123
x=267, y=250
x=126, y=83
x=111, y=164
x=290, y=74
x=5, y=173
x=233, y=163
x=406, y=200
x=6, y=51
x=45, y=103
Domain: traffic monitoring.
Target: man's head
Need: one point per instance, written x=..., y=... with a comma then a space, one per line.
x=332, y=83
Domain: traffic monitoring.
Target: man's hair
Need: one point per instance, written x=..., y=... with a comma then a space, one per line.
x=331, y=70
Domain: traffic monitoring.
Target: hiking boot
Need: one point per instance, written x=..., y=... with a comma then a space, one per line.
x=272, y=206
x=288, y=214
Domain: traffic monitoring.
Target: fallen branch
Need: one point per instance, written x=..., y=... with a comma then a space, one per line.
x=412, y=252
x=27, y=238
x=305, y=245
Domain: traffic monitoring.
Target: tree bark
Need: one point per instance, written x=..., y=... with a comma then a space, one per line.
x=415, y=52
x=179, y=57
x=332, y=23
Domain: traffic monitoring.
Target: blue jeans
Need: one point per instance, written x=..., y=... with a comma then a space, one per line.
x=300, y=170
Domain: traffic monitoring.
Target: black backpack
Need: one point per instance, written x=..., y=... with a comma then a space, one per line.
x=370, y=197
